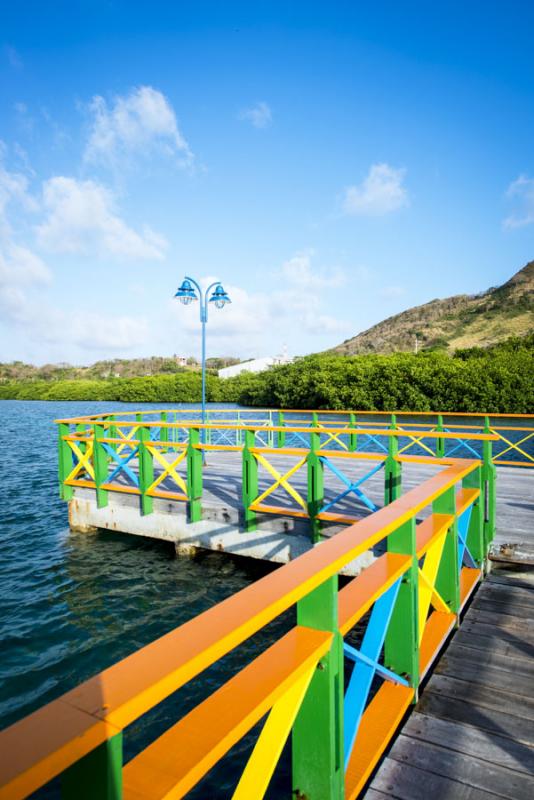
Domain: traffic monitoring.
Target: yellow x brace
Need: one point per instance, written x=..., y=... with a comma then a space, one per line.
x=264, y=758
x=514, y=446
x=168, y=469
x=281, y=480
x=427, y=579
x=126, y=437
x=83, y=460
x=416, y=440
x=331, y=437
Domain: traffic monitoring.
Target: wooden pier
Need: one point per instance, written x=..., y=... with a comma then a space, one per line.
x=411, y=680
x=322, y=481
x=471, y=734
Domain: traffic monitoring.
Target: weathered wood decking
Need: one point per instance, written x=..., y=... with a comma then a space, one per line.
x=471, y=736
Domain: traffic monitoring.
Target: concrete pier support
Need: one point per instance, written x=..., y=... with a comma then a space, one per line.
x=275, y=539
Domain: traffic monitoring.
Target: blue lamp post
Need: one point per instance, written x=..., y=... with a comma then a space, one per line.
x=189, y=292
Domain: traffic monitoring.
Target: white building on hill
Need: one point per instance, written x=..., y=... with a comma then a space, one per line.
x=255, y=365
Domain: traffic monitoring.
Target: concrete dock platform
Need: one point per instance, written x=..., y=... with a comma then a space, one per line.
x=283, y=538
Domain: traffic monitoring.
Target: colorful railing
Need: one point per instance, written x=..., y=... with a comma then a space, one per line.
x=514, y=445
x=162, y=459
x=404, y=606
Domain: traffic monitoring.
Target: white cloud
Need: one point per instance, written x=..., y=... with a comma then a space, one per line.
x=20, y=270
x=255, y=320
x=18, y=265
x=94, y=331
x=76, y=216
x=13, y=188
x=522, y=189
x=22, y=273
x=381, y=192
x=298, y=272
x=140, y=123
x=259, y=115
x=81, y=218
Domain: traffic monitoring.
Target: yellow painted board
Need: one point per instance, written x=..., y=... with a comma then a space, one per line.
x=261, y=764
x=204, y=735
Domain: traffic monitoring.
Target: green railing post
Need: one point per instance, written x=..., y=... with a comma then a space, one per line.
x=250, y=481
x=163, y=431
x=489, y=477
x=440, y=443
x=270, y=434
x=353, y=437
x=81, y=428
x=194, y=475
x=146, y=470
x=65, y=464
x=401, y=645
x=96, y=775
x=317, y=739
x=100, y=466
x=475, y=534
x=392, y=472
x=281, y=435
x=448, y=578
x=238, y=433
x=111, y=433
x=315, y=486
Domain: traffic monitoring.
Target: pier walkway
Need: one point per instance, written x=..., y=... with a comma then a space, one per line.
x=471, y=735
x=163, y=474
x=363, y=660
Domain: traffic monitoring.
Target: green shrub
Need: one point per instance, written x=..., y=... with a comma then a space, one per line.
x=497, y=379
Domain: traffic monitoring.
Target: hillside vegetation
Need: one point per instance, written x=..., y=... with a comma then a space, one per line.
x=498, y=379
x=113, y=368
x=457, y=322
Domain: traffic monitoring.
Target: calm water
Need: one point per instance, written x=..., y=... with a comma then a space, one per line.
x=72, y=604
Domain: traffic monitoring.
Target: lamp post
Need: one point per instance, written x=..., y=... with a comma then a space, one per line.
x=189, y=292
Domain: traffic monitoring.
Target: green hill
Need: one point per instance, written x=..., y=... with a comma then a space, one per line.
x=456, y=322
x=113, y=368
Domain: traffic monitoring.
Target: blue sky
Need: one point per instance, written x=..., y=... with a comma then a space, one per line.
x=331, y=163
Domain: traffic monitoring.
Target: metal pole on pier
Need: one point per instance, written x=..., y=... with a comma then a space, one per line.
x=188, y=292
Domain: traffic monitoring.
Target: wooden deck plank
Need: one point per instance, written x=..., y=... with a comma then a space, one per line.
x=509, y=635
x=476, y=694
x=505, y=607
x=488, y=719
x=485, y=675
x=410, y=783
x=498, y=587
x=487, y=657
x=463, y=768
x=511, y=596
x=504, y=622
x=472, y=733
x=471, y=741
x=502, y=577
x=505, y=645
